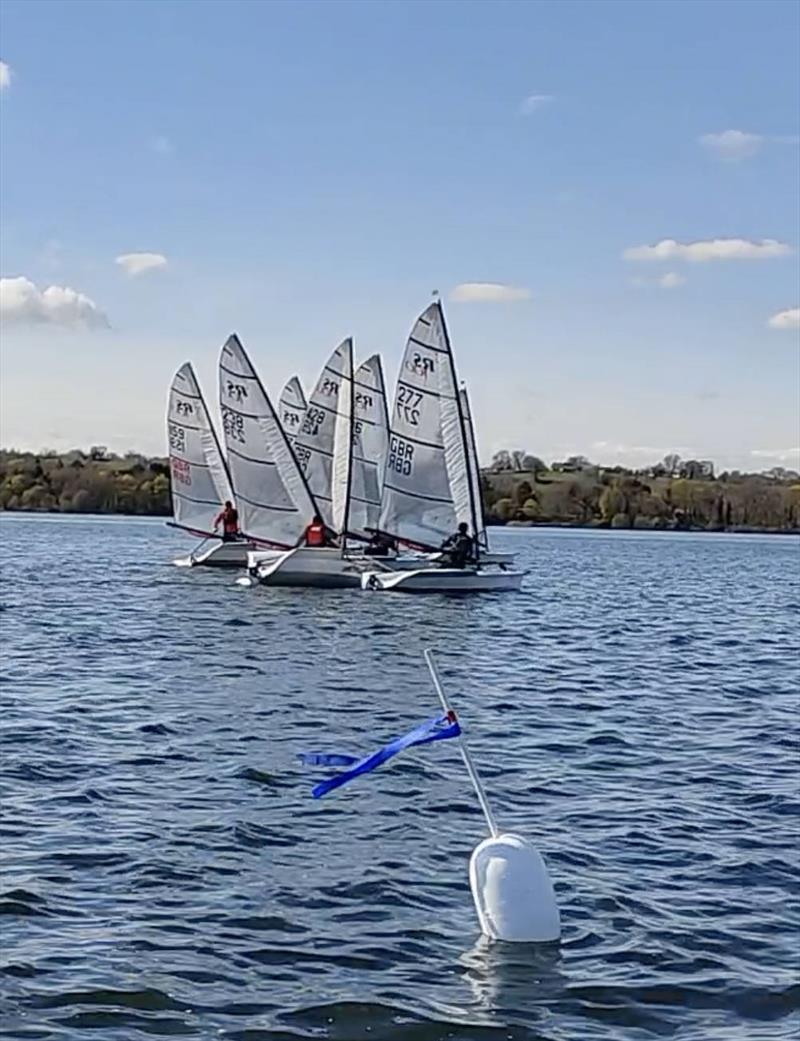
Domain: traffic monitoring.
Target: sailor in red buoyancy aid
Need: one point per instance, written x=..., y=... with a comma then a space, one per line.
x=316, y=534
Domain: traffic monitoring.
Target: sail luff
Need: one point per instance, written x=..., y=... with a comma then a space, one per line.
x=200, y=481
x=273, y=498
x=475, y=470
x=316, y=440
x=292, y=407
x=417, y=502
x=457, y=449
x=370, y=442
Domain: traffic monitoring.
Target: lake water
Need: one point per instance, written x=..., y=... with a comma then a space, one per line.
x=165, y=871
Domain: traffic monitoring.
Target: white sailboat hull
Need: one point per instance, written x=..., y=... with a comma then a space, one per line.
x=218, y=554
x=318, y=568
x=408, y=562
x=443, y=580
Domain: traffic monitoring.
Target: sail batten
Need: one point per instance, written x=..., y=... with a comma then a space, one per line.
x=200, y=482
x=275, y=503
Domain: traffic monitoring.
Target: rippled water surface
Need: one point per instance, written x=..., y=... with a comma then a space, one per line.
x=165, y=871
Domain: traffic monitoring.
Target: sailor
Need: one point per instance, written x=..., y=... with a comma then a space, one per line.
x=316, y=534
x=229, y=518
x=380, y=545
x=459, y=548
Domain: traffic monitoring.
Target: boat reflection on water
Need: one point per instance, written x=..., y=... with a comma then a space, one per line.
x=519, y=976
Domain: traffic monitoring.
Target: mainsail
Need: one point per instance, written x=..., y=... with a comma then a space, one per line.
x=323, y=444
x=272, y=496
x=474, y=472
x=199, y=477
x=426, y=486
x=292, y=406
x=370, y=444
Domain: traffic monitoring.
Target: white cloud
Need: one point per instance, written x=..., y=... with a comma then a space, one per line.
x=534, y=102
x=786, y=319
x=613, y=450
x=5, y=75
x=732, y=145
x=782, y=455
x=671, y=280
x=162, y=145
x=137, y=263
x=711, y=249
x=488, y=293
x=21, y=301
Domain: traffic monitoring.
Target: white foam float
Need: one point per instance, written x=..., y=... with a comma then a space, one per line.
x=513, y=894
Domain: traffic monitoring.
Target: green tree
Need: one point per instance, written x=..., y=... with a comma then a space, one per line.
x=505, y=509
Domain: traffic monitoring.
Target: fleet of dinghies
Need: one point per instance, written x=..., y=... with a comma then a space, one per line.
x=408, y=478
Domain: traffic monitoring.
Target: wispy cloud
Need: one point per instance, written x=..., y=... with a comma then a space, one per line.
x=732, y=145
x=781, y=455
x=711, y=249
x=611, y=449
x=22, y=302
x=786, y=319
x=134, y=264
x=5, y=75
x=52, y=253
x=162, y=145
x=671, y=280
x=535, y=102
x=488, y=293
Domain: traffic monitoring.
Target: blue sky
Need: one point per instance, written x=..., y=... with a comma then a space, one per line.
x=304, y=171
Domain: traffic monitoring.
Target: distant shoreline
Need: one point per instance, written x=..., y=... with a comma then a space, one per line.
x=575, y=494
x=493, y=525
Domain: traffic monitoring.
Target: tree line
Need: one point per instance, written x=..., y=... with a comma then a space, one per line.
x=84, y=482
x=670, y=494
x=674, y=493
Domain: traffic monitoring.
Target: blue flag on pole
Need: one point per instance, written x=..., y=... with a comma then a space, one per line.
x=437, y=729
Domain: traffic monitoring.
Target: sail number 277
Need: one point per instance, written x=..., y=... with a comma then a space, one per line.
x=408, y=405
x=401, y=456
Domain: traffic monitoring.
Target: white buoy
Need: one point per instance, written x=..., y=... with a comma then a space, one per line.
x=508, y=877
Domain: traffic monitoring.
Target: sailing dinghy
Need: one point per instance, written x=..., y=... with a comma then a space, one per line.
x=430, y=482
x=319, y=462
x=200, y=481
x=292, y=407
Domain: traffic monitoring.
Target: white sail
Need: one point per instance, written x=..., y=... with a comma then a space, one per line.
x=199, y=478
x=292, y=406
x=272, y=496
x=323, y=442
x=417, y=501
x=371, y=442
x=474, y=472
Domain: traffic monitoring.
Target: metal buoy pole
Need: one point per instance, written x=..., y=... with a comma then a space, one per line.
x=473, y=773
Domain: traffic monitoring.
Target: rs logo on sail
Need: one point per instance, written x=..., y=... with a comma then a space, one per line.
x=236, y=390
x=420, y=366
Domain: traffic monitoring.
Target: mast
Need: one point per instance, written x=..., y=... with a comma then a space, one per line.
x=473, y=458
x=222, y=456
x=350, y=377
x=463, y=429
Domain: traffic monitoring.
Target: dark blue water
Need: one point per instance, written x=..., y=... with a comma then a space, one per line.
x=165, y=872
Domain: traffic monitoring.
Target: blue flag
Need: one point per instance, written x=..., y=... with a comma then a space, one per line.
x=437, y=729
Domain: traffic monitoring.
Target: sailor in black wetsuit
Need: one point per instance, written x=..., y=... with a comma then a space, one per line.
x=459, y=548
